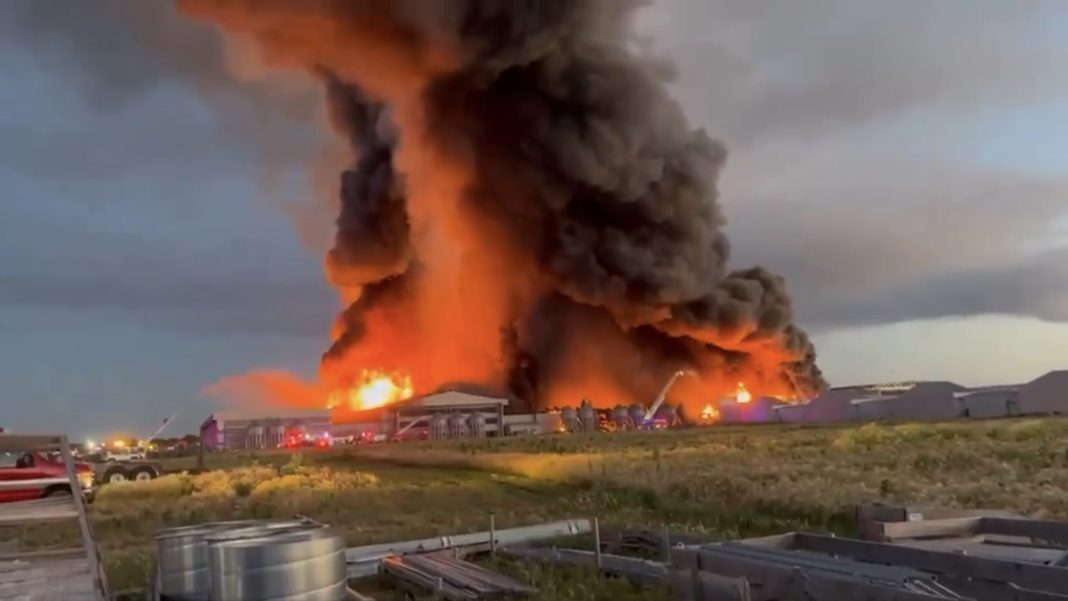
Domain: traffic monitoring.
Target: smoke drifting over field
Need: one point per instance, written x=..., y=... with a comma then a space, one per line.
x=527, y=208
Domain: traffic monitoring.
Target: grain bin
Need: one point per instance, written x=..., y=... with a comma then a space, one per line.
x=569, y=416
x=183, y=556
x=476, y=424
x=304, y=563
x=457, y=425
x=637, y=415
x=439, y=426
x=587, y=416
x=621, y=417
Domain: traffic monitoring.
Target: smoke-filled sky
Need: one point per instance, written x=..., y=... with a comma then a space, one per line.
x=902, y=165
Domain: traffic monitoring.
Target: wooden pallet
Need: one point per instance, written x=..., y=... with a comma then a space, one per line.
x=68, y=574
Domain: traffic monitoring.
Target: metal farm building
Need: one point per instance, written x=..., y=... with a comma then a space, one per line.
x=918, y=401
x=266, y=429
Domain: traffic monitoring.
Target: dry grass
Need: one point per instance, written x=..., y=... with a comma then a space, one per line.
x=1013, y=464
x=727, y=482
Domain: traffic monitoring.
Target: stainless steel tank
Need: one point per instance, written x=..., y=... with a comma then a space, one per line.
x=280, y=564
x=439, y=426
x=254, y=437
x=476, y=424
x=183, y=555
x=569, y=416
x=457, y=425
x=637, y=415
x=587, y=416
x=621, y=417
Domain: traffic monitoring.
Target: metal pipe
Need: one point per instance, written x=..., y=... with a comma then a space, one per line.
x=597, y=543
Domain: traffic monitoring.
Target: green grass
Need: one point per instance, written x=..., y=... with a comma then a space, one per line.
x=726, y=482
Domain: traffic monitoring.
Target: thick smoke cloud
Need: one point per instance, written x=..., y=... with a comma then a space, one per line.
x=549, y=180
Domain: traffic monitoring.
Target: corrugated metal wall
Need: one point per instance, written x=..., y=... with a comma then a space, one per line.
x=1048, y=394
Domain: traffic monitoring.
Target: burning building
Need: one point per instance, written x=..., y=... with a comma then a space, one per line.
x=526, y=209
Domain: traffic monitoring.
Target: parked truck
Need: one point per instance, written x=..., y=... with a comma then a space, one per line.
x=37, y=475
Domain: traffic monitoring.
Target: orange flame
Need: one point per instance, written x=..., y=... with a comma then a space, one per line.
x=743, y=395
x=709, y=413
x=375, y=388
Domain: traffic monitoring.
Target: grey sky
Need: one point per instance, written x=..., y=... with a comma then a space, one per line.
x=895, y=160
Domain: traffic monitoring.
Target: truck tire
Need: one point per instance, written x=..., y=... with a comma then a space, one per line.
x=115, y=474
x=57, y=490
x=143, y=473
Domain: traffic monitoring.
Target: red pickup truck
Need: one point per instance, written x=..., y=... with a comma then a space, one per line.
x=41, y=473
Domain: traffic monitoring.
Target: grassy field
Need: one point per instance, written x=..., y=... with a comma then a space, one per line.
x=727, y=482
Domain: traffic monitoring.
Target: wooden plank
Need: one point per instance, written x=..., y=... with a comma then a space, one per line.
x=38, y=510
x=17, y=571
x=955, y=527
x=1024, y=574
x=88, y=540
x=52, y=554
x=1033, y=529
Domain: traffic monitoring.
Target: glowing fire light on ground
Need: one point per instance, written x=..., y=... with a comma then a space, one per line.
x=709, y=413
x=373, y=389
x=743, y=395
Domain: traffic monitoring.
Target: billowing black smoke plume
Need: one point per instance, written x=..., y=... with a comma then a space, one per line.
x=572, y=147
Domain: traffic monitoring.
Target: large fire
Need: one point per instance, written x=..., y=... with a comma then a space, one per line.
x=742, y=396
x=483, y=239
x=374, y=388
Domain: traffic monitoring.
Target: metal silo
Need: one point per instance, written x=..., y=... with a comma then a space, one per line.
x=621, y=417
x=439, y=426
x=476, y=424
x=457, y=425
x=637, y=415
x=587, y=416
x=569, y=416
x=304, y=563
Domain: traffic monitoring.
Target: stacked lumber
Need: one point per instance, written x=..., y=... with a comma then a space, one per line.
x=50, y=579
x=451, y=578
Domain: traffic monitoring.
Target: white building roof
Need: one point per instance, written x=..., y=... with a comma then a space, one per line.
x=452, y=398
x=270, y=413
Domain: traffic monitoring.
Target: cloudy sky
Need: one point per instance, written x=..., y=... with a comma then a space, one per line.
x=903, y=163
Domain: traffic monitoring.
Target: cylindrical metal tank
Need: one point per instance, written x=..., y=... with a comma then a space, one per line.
x=277, y=436
x=183, y=555
x=621, y=417
x=254, y=437
x=587, y=416
x=283, y=564
x=569, y=416
x=439, y=426
x=476, y=424
x=457, y=425
x=637, y=415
